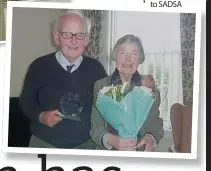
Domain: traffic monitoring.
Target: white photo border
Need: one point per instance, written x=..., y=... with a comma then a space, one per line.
x=100, y=6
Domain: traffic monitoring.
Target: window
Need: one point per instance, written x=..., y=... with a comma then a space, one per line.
x=160, y=35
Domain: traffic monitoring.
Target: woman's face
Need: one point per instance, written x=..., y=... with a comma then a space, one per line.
x=127, y=59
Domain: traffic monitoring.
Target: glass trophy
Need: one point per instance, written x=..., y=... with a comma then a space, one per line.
x=71, y=106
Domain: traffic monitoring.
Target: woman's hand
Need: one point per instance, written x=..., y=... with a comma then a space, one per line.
x=123, y=144
x=149, y=82
x=147, y=141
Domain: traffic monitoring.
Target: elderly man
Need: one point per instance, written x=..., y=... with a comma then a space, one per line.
x=51, y=76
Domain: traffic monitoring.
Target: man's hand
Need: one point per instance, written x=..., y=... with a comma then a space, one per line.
x=148, y=142
x=123, y=144
x=149, y=82
x=50, y=118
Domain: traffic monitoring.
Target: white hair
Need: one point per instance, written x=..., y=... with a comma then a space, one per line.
x=77, y=12
x=129, y=38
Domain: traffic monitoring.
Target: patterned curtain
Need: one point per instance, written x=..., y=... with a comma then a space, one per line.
x=2, y=20
x=187, y=28
x=95, y=48
x=3, y=6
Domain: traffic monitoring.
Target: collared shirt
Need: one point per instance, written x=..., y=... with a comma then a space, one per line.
x=64, y=62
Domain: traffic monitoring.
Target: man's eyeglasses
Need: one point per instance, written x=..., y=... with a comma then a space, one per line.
x=69, y=35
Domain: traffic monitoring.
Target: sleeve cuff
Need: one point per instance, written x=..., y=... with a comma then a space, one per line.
x=105, y=142
x=154, y=140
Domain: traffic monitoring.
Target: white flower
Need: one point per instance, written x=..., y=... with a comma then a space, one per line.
x=123, y=87
x=113, y=90
x=105, y=89
x=147, y=90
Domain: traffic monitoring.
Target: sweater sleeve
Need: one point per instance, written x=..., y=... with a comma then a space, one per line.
x=100, y=71
x=28, y=98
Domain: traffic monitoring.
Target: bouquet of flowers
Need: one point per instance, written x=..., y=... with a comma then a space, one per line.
x=125, y=107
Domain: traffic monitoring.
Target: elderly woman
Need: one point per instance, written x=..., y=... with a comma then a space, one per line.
x=128, y=54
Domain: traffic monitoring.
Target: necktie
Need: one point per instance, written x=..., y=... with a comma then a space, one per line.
x=69, y=68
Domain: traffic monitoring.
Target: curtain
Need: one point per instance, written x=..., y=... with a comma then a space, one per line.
x=187, y=30
x=2, y=20
x=95, y=46
x=3, y=6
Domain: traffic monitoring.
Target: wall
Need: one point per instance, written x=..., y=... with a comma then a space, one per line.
x=159, y=32
x=30, y=39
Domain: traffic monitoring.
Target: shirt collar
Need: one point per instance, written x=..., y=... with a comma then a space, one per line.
x=64, y=62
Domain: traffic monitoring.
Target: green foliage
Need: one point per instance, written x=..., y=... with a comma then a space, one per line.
x=115, y=92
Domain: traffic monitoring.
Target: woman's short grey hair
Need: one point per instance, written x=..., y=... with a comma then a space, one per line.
x=129, y=39
x=77, y=12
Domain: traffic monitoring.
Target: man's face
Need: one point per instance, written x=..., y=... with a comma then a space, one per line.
x=72, y=46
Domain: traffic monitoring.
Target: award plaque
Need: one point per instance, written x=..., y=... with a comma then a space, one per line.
x=71, y=106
